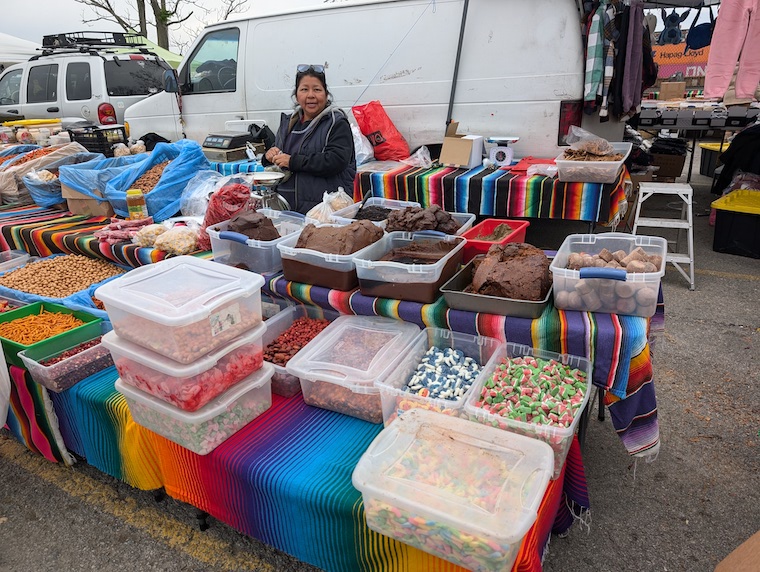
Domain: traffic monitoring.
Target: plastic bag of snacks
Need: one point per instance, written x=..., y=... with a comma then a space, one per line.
x=147, y=235
x=178, y=240
x=229, y=199
x=121, y=150
x=138, y=147
x=331, y=202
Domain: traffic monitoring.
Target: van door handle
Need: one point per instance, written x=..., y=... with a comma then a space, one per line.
x=53, y=110
x=13, y=111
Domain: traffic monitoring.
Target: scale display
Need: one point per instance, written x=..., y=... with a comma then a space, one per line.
x=227, y=140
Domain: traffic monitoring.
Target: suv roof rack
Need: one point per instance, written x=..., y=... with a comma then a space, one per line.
x=70, y=40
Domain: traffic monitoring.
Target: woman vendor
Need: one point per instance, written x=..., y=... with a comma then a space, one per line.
x=314, y=144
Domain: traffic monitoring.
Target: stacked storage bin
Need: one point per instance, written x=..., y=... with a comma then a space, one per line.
x=187, y=343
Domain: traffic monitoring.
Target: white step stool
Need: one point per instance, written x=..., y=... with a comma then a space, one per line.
x=685, y=193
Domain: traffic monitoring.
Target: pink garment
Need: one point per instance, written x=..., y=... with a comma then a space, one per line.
x=737, y=31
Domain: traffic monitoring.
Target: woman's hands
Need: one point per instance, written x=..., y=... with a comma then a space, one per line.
x=277, y=157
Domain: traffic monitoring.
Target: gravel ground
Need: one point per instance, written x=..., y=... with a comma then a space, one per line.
x=683, y=512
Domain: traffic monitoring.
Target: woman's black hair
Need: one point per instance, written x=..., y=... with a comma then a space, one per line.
x=311, y=73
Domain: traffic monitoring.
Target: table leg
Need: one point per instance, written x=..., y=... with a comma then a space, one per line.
x=600, y=393
x=691, y=158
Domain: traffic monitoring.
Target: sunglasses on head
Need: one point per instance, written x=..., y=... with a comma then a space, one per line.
x=316, y=68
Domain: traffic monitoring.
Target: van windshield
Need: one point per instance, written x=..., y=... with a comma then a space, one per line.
x=134, y=77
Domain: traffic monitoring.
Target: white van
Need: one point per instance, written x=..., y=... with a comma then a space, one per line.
x=520, y=71
x=89, y=75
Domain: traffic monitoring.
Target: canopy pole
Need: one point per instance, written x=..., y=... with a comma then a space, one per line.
x=456, y=62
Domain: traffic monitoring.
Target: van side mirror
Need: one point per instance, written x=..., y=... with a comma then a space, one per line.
x=170, y=81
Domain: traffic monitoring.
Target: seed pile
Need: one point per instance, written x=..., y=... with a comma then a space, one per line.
x=150, y=178
x=60, y=276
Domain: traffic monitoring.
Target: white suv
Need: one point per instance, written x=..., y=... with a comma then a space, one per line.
x=92, y=75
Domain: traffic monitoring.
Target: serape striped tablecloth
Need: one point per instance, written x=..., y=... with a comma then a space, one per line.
x=285, y=478
x=44, y=231
x=496, y=193
x=617, y=345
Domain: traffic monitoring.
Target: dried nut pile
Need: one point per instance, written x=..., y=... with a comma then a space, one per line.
x=36, y=154
x=60, y=276
x=150, y=178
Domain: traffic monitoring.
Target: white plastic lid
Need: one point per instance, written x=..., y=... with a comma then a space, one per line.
x=213, y=408
x=354, y=351
x=178, y=291
x=474, y=477
x=170, y=367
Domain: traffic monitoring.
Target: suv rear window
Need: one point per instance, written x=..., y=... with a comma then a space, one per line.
x=134, y=77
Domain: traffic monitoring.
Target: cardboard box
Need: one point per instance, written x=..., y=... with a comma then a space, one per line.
x=461, y=151
x=744, y=559
x=83, y=205
x=672, y=90
x=669, y=165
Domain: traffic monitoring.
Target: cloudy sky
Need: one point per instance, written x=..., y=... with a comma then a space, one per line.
x=31, y=19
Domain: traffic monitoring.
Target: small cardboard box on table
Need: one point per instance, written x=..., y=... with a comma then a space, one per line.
x=82, y=204
x=459, y=150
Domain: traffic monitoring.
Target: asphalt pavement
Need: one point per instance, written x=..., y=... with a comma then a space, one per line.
x=685, y=511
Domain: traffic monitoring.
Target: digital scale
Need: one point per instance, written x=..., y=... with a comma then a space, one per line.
x=227, y=147
x=502, y=154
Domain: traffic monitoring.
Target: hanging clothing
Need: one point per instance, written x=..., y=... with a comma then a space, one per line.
x=633, y=59
x=610, y=38
x=736, y=37
x=616, y=90
x=594, y=55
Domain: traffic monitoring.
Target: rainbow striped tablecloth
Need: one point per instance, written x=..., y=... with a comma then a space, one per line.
x=496, y=193
x=285, y=478
x=44, y=231
x=618, y=346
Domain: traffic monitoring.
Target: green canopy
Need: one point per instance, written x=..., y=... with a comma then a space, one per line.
x=171, y=58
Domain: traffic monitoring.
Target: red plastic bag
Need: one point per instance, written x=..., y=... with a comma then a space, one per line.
x=223, y=205
x=388, y=143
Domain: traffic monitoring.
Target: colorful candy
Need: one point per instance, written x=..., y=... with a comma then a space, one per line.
x=536, y=397
x=443, y=374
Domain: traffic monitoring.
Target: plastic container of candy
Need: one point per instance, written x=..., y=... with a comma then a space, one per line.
x=183, y=307
x=283, y=383
x=71, y=364
x=187, y=386
x=610, y=290
x=409, y=279
x=435, y=390
x=204, y=430
x=259, y=256
x=10, y=259
x=464, y=493
x=338, y=369
x=336, y=271
x=348, y=214
x=547, y=410
x=478, y=241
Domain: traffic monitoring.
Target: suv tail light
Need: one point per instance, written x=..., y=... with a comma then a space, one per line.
x=106, y=114
x=570, y=113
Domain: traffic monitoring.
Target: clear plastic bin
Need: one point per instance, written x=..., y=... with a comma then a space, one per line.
x=204, y=430
x=401, y=281
x=283, y=383
x=188, y=387
x=10, y=259
x=462, y=492
x=335, y=271
x=259, y=256
x=397, y=400
x=592, y=171
x=607, y=290
x=338, y=369
x=465, y=220
x=69, y=371
x=183, y=307
x=557, y=436
x=348, y=215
